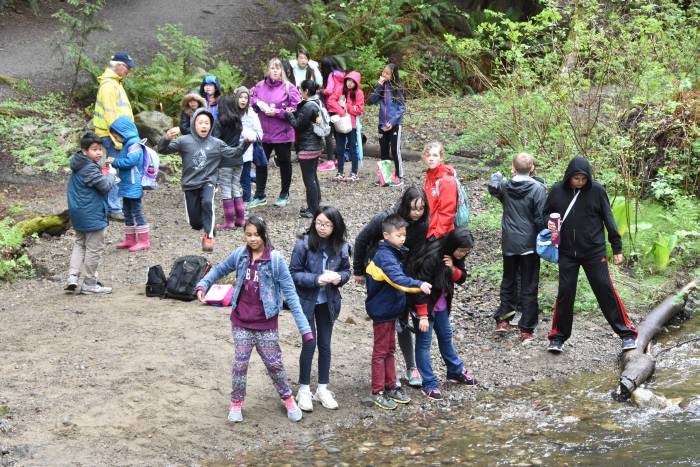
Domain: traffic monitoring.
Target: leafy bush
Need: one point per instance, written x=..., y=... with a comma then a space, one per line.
x=363, y=33
x=177, y=69
x=13, y=261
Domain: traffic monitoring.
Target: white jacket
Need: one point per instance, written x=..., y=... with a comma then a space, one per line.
x=251, y=122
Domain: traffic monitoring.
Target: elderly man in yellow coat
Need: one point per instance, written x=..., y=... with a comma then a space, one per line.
x=111, y=103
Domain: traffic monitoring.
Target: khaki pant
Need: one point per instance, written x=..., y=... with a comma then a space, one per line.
x=87, y=254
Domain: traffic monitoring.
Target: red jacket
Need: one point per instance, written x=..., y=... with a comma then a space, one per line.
x=354, y=108
x=441, y=188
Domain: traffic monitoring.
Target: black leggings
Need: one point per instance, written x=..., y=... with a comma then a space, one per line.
x=283, y=157
x=322, y=328
x=310, y=178
x=390, y=148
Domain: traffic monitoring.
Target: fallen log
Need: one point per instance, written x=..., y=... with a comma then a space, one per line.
x=639, y=364
x=54, y=224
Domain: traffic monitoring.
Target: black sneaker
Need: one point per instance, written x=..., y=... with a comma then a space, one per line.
x=555, y=346
x=629, y=343
x=465, y=377
x=304, y=213
x=432, y=393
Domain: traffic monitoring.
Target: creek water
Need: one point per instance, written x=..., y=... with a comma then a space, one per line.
x=572, y=421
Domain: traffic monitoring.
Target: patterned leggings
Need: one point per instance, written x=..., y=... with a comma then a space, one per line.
x=267, y=344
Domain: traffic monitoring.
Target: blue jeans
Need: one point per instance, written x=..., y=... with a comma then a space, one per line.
x=133, y=212
x=114, y=203
x=443, y=330
x=341, y=140
x=245, y=181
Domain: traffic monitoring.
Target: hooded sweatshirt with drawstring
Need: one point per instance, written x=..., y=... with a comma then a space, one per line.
x=583, y=231
x=200, y=156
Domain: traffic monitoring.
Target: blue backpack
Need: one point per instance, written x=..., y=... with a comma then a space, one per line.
x=545, y=249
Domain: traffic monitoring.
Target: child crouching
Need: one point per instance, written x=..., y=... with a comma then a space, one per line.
x=87, y=207
x=387, y=286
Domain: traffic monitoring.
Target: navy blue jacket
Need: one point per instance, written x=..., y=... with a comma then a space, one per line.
x=387, y=284
x=87, y=194
x=306, y=266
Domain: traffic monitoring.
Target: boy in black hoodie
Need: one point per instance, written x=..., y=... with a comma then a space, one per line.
x=582, y=243
x=523, y=200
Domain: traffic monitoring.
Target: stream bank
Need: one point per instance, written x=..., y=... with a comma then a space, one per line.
x=126, y=379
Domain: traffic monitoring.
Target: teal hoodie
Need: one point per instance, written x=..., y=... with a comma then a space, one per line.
x=129, y=161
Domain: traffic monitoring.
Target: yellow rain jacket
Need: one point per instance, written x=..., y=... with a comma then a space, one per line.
x=112, y=102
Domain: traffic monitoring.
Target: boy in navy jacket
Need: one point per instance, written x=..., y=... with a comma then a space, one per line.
x=87, y=206
x=387, y=286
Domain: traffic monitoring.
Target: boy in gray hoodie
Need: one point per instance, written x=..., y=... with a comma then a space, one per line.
x=201, y=154
x=523, y=201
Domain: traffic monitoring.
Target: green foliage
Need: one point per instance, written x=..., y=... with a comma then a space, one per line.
x=73, y=39
x=32, y=4
x=177, y=69
x=661, y=250
x=43, y=135
x=363, y=34
x=14, y=262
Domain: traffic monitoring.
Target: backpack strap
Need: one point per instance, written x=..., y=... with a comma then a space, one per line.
x=571, y=205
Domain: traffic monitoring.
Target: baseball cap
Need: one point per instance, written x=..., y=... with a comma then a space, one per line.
x=124, y=58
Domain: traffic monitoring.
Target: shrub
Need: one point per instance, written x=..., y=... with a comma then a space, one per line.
x=176, y=70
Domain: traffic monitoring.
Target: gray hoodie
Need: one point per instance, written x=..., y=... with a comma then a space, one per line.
x=200, y=156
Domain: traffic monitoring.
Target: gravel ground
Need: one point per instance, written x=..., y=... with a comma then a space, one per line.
x=125, y=379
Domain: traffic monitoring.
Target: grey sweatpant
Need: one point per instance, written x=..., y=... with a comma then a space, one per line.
x=230, y=182
x=87, y=254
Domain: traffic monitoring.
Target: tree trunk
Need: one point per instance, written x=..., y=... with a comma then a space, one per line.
x=638, y=364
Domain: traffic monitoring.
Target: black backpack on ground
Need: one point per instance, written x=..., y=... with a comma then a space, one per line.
x=155, y=285
x=184, y=275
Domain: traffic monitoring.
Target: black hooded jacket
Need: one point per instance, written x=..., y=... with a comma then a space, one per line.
x=523, y=200
x=582, y=233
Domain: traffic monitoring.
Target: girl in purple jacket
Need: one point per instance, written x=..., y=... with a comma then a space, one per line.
x=272, y=98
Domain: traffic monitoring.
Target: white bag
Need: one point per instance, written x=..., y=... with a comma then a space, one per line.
x=342, y=124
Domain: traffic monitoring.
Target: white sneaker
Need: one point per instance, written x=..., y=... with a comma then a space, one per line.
x=94, y=289
x=234, y=414
x=326, y=398
x=304, y=400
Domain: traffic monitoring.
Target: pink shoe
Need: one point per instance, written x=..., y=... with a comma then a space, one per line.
x=326, y=166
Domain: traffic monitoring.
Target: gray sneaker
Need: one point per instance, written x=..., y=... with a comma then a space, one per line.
x=397, y=395
x=380, y=400
x=72, y=283
x=116, y=216
x=95, y=289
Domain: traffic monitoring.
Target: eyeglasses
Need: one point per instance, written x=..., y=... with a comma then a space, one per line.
x=322, y=225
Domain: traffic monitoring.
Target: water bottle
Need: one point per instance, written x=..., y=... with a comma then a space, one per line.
x=553, y=225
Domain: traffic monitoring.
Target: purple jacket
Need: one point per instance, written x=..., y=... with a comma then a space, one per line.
x=275, y=129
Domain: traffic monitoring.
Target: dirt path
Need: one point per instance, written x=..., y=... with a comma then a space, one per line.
x=235, y=28
x=130, y=380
